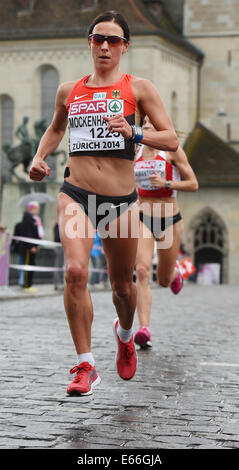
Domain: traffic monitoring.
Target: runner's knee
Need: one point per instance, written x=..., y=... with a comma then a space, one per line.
x=76, y=274
x=142, y=273
x=122, y=289
x=164, y=281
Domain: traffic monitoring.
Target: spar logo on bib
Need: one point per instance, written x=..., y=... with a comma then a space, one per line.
x=115, y=106
x=88, y=107
x=96, y=107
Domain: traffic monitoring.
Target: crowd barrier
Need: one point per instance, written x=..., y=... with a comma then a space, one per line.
x=186, y=266
x=5, y=265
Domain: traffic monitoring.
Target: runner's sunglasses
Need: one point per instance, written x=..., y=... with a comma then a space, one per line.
x=99, y=39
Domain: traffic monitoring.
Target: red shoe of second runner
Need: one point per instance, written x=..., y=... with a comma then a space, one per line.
x=85, y=380
x=143, y=337
x=126, y=359
x=177, y=283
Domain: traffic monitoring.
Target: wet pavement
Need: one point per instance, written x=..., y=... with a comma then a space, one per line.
x=185, y=393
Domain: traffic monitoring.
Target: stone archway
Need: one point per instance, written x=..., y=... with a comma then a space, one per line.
x=208, y=241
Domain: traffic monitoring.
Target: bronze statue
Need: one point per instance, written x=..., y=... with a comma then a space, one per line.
x=25, y=151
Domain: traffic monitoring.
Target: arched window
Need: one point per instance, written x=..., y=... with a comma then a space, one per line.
x=49, y=84
x=209, y=243
x=6, y=131
x=209, y=233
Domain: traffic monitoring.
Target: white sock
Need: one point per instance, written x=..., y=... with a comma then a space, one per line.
x=86, y=357
x=124, y=335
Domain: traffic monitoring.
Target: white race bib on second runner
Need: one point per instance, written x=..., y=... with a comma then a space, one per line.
x=145, y=168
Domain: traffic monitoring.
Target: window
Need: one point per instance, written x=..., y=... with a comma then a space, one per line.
x=228, y=131
x=208, y=232
x=229, y=58
x=88, y=4
x=210, y=246
x=49, y=85
x=7, y=111
x=25, y=7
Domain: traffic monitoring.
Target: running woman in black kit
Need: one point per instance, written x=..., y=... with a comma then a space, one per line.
x=100, y=112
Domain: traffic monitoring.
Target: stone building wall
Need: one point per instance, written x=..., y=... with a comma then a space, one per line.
x=211, y=17
x=223, y=203
x=213, y=26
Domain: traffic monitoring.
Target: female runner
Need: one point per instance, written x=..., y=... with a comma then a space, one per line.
x=100, y=112
x=158, y=178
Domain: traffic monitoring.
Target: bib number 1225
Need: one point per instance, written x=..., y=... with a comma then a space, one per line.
x=101, y=133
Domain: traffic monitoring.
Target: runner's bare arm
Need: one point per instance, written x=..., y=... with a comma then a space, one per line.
x=189, y=182
x=179, y=159
x=150, y=104
x=52, y=136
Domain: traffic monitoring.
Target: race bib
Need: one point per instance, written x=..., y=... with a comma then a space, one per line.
x=143, y=169
x=89, y=131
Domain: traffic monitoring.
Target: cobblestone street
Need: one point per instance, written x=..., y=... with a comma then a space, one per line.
x=184, y=395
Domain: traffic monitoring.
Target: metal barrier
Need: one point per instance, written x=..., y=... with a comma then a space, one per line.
x=5, y=240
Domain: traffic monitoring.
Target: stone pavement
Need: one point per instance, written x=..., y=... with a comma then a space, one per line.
x=184, y=395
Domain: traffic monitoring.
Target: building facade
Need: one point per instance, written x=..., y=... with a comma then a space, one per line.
x=213, y=146
x=214, y=28
x=177, y=45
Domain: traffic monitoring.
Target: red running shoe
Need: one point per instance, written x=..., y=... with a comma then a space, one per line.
x=126, y=358
x=177, y=283
x=85, y=380
x=143, y=337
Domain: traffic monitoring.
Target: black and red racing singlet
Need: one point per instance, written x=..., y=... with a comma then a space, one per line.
x=88, y=132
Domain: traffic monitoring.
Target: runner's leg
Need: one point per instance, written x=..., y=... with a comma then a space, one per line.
x=121, y=254
x=77, y=299
x=143, y=272
x=167, y=258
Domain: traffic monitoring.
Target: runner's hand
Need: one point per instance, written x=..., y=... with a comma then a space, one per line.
x=39, y=169
x=156, y=180
x=118, y=123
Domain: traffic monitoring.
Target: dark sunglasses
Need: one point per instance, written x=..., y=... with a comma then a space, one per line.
x=99, y=39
